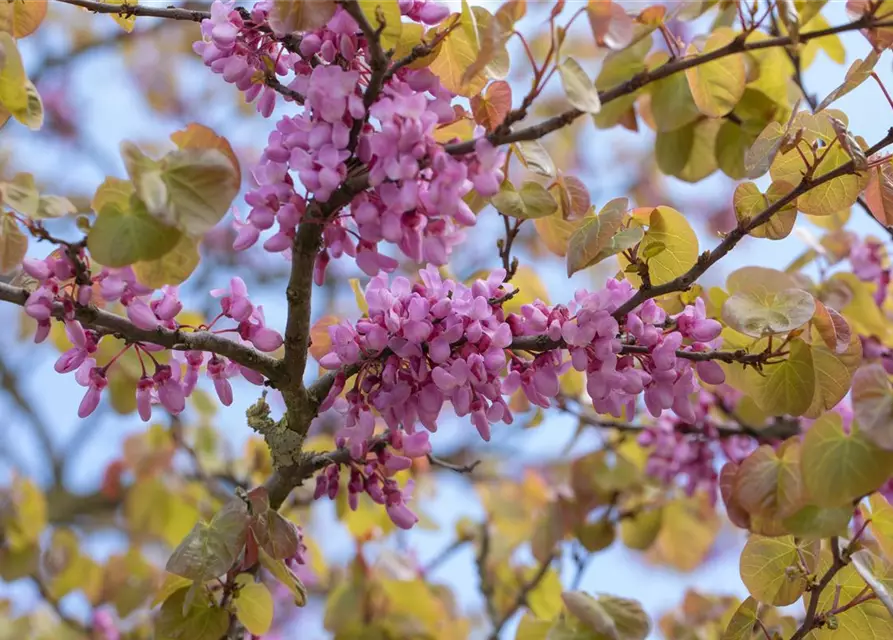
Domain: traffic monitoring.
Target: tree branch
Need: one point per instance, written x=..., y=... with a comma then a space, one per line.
x=127, y=10
x=709, y=258
x=738, y=45
x=179, y=340
x=521, y=598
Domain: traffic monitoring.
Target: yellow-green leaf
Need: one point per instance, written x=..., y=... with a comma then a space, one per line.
x=749, y=202
x=532, y=201
x=289, y=16
x=717, y=86
x=13, y=244
x=286, y=576
x=786, y=387
x=386, y=16
x=687, y=153
x=669, y=228
x=22, y=17
x=741, y=625
x=13, y=89
x=203, y=620
x=254, y=605
x=770, y=568
x=839, y=467
x=601, y=237
x=768, y=482
x=173, y=268
x=873, y=405
x=122, y=236
x=458, y=51
x=858, y=73
x=672, y=105
x=578, y=87
x=762, y=314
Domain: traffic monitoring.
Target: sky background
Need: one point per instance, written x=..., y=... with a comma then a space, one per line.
x=114, y=111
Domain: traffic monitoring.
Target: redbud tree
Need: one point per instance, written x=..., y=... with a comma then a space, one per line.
x=421, y=170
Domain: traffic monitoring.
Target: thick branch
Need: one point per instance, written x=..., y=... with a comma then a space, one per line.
x=709, y=258
x=127, y=10
x=738, y=45
x=103, y=321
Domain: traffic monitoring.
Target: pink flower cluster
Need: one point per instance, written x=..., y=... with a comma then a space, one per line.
x=600, y=348
x=685, y=451
x=415, y=198
x=867, y=259
x=374, y=460
x=240, y=47
x=434, y=341
x=59, y=295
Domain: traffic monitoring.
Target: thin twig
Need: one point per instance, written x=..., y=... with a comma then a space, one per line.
x=127, y=10
x=738, y=45
x=521, y=598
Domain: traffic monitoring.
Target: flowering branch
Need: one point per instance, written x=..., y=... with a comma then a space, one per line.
x=178, y=340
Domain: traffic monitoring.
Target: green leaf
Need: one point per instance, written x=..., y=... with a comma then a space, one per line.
x=211, y=549
x=590, y=612
x=580, y=90
x=13, y=89
x=732, y=145
x=22, y=18
x=741, y=625
x=534, y=156
x=201, y=621
x=669, y=228
x=749, y=202
x=173, y=268
x=882, y=523
x=200, y=188
x=254, y=605
x=839, y=467
x=532, y=201
x=640, y=530
x=858, y=73
x=172, y=583
x=595, y=536
x=758, y=314
x=787, y=387
x=833, y=372
x=672, y=105
x=829, y=197
x=770, y=568
x=458, y=51
x=762, y=153
x=121, y=236
x=21, y=194
x=286, y=576
x=289, y=16
x=873, y=405
x=769, y=483
x=629, y=618
x=31, y=115
x=13, y=244
x=385, y=14
x=814, y=523
x=687, y=153
x=717, y=86
x=601, y=237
